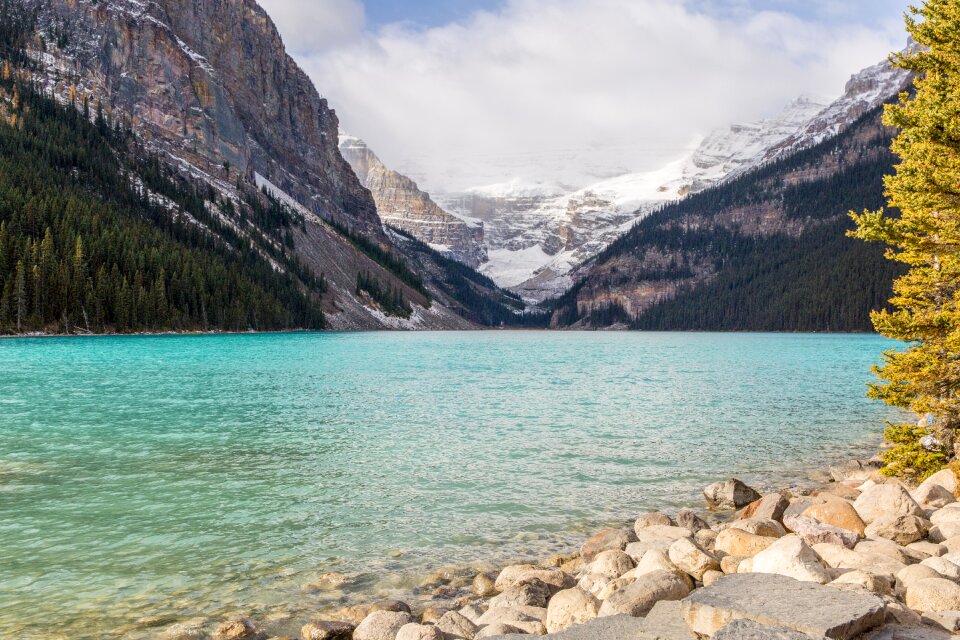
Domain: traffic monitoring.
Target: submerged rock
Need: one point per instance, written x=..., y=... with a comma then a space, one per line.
x=325, y=630
x=729, y=494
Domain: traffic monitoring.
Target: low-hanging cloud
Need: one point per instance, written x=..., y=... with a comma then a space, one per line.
x=571, y=90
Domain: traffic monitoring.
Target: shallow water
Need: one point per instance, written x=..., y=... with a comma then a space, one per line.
x=206, y=475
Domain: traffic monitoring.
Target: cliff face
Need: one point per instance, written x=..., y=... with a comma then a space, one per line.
x=401, y=204
x=209, y=83
x=207, y=87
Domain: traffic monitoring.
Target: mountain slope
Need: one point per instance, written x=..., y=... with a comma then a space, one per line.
x=206, y=89
x=765, y=251
x=402, y=204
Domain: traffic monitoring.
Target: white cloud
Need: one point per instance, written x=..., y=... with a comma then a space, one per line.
x=572, y=90
x=312, y=26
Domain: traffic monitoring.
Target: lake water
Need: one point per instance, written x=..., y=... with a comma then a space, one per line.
x=207, y=475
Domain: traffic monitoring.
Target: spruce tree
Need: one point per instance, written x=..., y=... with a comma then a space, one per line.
x=922, y=231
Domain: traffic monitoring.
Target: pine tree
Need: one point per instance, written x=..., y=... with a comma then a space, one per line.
x=925, y=236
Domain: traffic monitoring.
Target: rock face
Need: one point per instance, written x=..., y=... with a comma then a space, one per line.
x=402, y=204
x=777, y=600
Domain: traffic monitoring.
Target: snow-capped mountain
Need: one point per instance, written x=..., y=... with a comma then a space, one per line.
x=535, y=234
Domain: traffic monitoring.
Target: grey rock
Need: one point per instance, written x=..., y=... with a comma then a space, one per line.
x=729, y=494
x=774, y=599
x=690, y=520
x=665, y=622
x=750, y=630
x=899, y=631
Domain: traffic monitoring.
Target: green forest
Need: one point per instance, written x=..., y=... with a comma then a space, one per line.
x=819, y=280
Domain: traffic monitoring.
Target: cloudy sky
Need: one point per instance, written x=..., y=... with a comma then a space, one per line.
x=461, y=93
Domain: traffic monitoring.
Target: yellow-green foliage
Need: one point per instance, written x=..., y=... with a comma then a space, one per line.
x=907, y=458
x=924, y=234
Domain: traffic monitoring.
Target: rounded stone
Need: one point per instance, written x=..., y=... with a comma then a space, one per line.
x=933, y=594
x=382, y=625
x=617, y=539
x=485, y=584
x=690, y=558
x=414, y=631
x=901, y=529
x=327, y=630
x=650, y=519
x=638, y=598
x=570, y=607
x=737, y=542
x=234, y=630
x=611, y=564
x=837, y=513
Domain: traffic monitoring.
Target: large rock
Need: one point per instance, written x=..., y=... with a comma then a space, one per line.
x=944, y=531
x=729, y=494
x=382, y=625
x=853, y=471
x=327, y=630
x=611, y=564
x=241, y=629
x=485, y=584
x=759, y=527
x=839, y=557
x=889, y=548
x=886, y=499
x=946, y=479
x=933, y=594
x=912, y=574
x=655, y=537
x=526, y=619
x=778, y=600
x=606, y=628
x=691, y=559
x=414, y=631
x=500, y=630
x=881, y=585
x=517, y=574
x=932, y=496
x=948, y=513
x=944, y=567
x=690, y=520
x=655, y=560
x=736, y=542
x=533, y=593
x=638, y=598
x=815, y=532
x=570, y=607
x=901, y=529
x=616, y=539
x=750, y=630
x=457, y=626
x=790, y=556
x=837, y=513
x=769, y=507
x=652, y=518
x=664, y=622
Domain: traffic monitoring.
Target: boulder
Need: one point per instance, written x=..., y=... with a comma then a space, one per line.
x=327, y=630
x=927, y=548
x=853, y=470
x=414, y=631
x=638, y=598
x=592, y=583
x=901, y=529
x=652, y=518
x=881, y=585
x=533, y=593
x=839, y=557
x=886, y=499
x=945, y=478
x=455, y=625
x=615, y=585
x=382, y=625
x=711, y=576
x=839, y=490
x=769, y=507
x=946, y=620
x=471, y=612
x=778, y=600
x=389, y=605
x=790, y=556
x=815, y=532
x=569, y=607
x=932, y=496
x=750, y=630
x=949, y=513
x=499, y=629
x=485, y=584
x=606, y=628
x=240, y=629
x=729, y=494
x=737, y=542
x=611, y=564
x=432, y=614
x=664, y=622
x=933, y=594
x=889, y=548
x=690, y=520
x=616, y=539
x=518, y=573
x=691, y=559
x=944, y=531
x=837, y=513
x=705, y=538
x=526, y=619
x=914, y=573
x=730, y=564
x=943, y=566
x=655, y=537
x=655, y=560
x=759, y=527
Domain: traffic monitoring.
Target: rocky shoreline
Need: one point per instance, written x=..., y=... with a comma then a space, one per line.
x=861, y=556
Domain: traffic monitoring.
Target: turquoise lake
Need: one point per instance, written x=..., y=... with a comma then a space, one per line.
x=145, y=480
